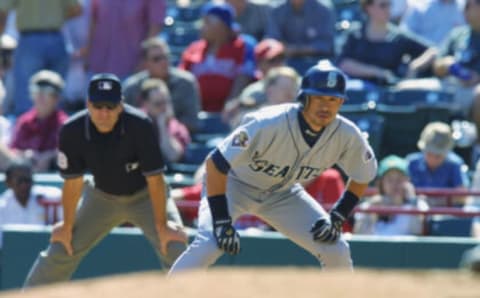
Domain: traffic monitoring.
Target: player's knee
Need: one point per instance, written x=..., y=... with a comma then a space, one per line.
x=336, y=255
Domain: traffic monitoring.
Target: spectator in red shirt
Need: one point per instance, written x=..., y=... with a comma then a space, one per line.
x=35, y=135
x=173, y=135
x=222, y=60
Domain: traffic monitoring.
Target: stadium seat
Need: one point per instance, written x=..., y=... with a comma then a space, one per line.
x=302, y=64
x=179, y=180
x=359, y=101
x=182, y=36
x=449, y=226
x=182, y=168
x=211, y=123
x=187, y=14
x=372, y=125
x=195, y=153
x=348, y=10
x=406, y=113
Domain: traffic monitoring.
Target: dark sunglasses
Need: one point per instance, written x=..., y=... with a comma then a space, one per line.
x=24, y=180
x=159, y=103
x=101, y=105
x=384, y=5
x=158, y=58
x=468, y=4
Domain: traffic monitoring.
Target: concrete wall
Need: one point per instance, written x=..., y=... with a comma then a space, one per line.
x=126, y=250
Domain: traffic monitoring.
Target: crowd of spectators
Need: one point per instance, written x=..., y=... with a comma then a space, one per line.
x=245, y=55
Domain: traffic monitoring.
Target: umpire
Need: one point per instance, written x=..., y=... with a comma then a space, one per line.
x=116, y=144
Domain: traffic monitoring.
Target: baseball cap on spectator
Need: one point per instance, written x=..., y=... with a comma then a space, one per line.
x=392, y=162
x=105, y=87
x=269, y=49
x=436, y=138
x=224, y=12
x=46, y=81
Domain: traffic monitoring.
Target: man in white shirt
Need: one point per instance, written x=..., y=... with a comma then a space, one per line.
x=25, y=203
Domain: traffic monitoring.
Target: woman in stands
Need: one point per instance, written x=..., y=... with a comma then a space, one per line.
x=377, y=52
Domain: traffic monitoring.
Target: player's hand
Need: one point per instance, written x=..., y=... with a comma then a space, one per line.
x=327, y=229
x=63, y=235
x=227, y=237
x=170, y=232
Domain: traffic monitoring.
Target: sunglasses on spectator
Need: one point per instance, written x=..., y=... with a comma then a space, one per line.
x=24, y=180
x=158, y=103
x=158, y=58
x=470, y=3
x=384, y=5
x=101, y=105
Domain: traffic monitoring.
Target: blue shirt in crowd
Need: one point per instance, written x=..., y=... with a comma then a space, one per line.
x=448, y=174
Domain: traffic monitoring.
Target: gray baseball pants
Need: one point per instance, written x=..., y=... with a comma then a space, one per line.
x=97, y=215
x=291, y=212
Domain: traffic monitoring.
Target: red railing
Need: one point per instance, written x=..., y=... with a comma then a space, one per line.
x=51, y=208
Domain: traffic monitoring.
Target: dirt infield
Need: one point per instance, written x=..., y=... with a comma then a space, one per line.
x=275, y=283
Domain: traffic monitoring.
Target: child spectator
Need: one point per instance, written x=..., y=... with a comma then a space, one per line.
x=395, y=189
x=172, y=134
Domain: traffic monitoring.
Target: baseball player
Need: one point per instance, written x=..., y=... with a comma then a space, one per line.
x=261, y=166
x=117, y=145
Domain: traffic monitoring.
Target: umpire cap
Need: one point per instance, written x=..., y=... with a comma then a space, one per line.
x=322, y=79
x=105, y=87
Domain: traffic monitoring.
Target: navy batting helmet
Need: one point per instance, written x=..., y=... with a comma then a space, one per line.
x=322, y=79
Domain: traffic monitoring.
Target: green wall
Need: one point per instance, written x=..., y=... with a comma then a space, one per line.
x=126, y=250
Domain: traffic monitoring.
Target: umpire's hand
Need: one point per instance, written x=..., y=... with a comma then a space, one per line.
x=227, y=237
x=170, y=232
x=63, y=235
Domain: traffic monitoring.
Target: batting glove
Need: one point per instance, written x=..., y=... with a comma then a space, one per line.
x=328, y=229
x=227, y=237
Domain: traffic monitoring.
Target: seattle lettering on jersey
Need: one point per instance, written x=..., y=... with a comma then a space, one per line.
x=272, y=170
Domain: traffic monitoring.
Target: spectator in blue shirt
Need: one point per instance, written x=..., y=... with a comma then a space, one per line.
x=436, y=165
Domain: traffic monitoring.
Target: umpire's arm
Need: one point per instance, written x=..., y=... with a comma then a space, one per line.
x=72, y=191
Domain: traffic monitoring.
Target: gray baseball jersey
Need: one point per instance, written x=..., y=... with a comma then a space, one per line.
x=269, y=159
x=268, y=151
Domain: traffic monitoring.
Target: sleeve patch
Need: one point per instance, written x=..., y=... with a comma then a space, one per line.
x=62, y=160
x=240, y=139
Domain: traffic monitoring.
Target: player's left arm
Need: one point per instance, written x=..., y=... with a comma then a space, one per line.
x=361, y=170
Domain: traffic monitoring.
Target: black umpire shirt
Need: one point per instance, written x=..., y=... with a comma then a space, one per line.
x=118, y=160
